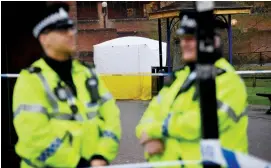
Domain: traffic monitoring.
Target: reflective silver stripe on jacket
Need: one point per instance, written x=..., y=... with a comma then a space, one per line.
x=146, y=121
x=91, y=115
x=94, y=108
x=105, y=97
x=231, y=113
x=31, y=108
x=63, y=116
x=159, y=98
x=51, y=97
x=192, y=76
x=77, y=117
x=40, y=109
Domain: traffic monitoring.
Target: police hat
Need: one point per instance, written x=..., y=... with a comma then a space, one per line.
x=55, y=16
x=188, y=24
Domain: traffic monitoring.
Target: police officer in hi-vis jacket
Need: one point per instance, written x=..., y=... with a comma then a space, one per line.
x=64, y=115
x=170, y=128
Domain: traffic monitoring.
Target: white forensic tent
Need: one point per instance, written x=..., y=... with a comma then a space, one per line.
x=128, y=55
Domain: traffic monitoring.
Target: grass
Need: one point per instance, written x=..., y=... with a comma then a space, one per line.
x=257, y=100
x=251, y=68
x=262, y=86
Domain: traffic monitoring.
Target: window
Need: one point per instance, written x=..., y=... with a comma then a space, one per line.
x=87, y=10
x=123, y=10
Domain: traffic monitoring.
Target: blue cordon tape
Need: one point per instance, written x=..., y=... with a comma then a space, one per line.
x=152, y=74
x=212, y=153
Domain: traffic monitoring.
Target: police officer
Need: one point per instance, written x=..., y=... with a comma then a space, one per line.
x=170, y=127
x=64, y=115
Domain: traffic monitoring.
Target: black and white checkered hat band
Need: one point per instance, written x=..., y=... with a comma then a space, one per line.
x=188, y=26
x=188, y=22
x=51, y=19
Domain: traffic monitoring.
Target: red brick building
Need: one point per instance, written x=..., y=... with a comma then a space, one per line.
x=123, y=18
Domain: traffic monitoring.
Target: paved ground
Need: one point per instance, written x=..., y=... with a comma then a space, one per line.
x=130, y=151
x=259, y=132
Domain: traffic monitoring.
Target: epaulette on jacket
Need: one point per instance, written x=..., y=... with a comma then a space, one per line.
x=33, y=69
x=178, y=69
x=168, y=80
x=219, y=71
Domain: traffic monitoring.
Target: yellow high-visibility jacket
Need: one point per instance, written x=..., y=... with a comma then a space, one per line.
x=175, y=118
x=57, y=129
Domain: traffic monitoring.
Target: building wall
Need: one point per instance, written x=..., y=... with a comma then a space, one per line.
x=91, y=31
x=121, y=25
x=253, y=48
x=90, y=37
x=73, y=9
x=87, y=10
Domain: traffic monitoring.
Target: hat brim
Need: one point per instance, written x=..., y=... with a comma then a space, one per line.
x=64, y=24
x=60, y=25
x=185, y=32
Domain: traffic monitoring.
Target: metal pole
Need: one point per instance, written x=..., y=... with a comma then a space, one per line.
x=160, y=43
x=206, y=76
x=160, y=78
x=168, y=45
x=261, y=59
x=104, y=22
x=230, y=38
x=104, y=10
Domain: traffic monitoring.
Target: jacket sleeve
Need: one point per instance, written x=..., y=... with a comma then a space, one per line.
x=111, y=132
x=232, y=101
x=150, y=115
x=38, y=143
